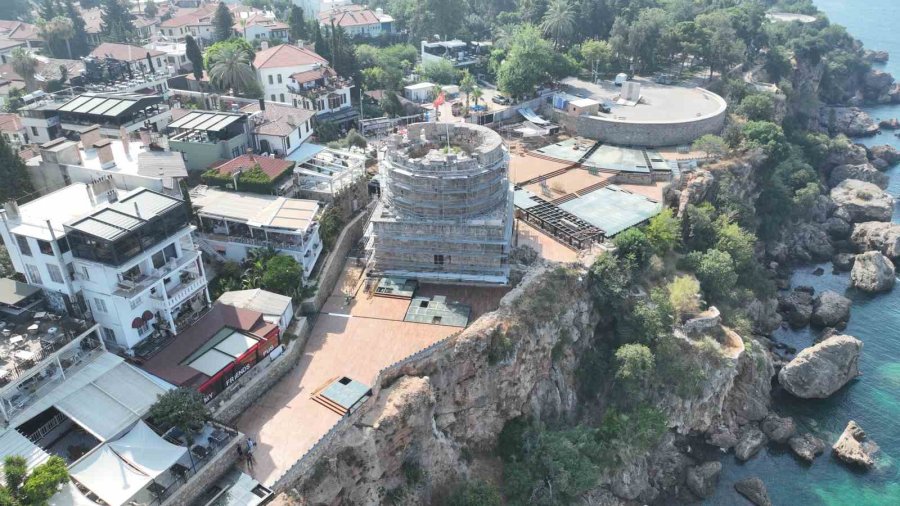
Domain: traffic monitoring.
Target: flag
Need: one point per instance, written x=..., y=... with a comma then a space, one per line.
x=439, y=100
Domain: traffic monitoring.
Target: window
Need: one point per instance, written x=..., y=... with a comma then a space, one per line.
x=55, y=273
x=287, y=141
x=63, y=246
x=24, y=248
x=45, y=247
x=143, y=329
x=273, y=95
x=99, y=305
x=34, y=131
x=85, y=273
x=270, y=79
x=34, y=275
x=281, y=95
x=109, y=335
x=439, y=260
x=279, y=78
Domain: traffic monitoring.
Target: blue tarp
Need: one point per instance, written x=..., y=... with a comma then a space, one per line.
x=306, y=151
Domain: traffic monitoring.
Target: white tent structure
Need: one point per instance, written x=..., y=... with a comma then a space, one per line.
x=120, y=469
x=69, y=495
x=145, y=450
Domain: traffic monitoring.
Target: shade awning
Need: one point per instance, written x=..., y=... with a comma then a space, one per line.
x=12, y=292
x=12, y=442
x=109, y=477
x=147, y=451
x=69, y=495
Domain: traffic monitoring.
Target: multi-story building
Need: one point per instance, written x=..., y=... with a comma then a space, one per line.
x=460, y=54
x=258, y=25
x=446, y=207
x=57, y=115
x=141, y=60
x=322, y=90
x=278, y=128
x=197, y=23
x=125, y=257
x=358, y=20
x=232, y=224
x=275, y=66
x=207, y=137
x=312, y=8
x=21, y=32
x=12, y=130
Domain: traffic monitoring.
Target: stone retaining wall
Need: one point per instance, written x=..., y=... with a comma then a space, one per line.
x=208, y=474
x=334, y=263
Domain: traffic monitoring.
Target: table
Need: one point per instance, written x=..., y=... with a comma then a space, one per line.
x=3, y=373
x=40, y=315
x=16, y=339
x=33, y=328
x=23, y=355
x=179, y=471
x=200, y=452
x=53, y=330
x=157, y=489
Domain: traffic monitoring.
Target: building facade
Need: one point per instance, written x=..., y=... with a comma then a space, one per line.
x=126, y=258
x=445, y=213
x=275, y=66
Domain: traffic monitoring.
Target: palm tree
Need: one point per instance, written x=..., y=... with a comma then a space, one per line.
x=25, y=65
x=466, y=85
x=477, y=94
x=559, y=20
x=231, y=70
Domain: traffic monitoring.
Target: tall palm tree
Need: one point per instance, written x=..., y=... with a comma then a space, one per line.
x=477, y=94
x=231, y=70
x=559, y=20
x=61, y=28
x=25, y=65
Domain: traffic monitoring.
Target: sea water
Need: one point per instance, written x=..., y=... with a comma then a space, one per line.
x=873, y=400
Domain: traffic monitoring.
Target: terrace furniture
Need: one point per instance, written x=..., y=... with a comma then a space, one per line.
x=179, y=472
x=33, y=328
x=156, y=489
x=40, y=315
x=200, y=452
x=24, y=355
x=16, y=340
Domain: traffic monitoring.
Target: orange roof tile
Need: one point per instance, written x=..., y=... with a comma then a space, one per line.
x=286, y=55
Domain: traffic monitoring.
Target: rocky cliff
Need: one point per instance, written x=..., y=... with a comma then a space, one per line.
x=437, y=419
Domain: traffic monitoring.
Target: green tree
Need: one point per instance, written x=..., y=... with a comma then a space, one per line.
x=767, y=136
x=715, y=270
x=610, y=281
x=698, y=229
x=283, y=275
x=737, y=242
x=182, y=408
x=664, y=231
x=16, y=10
x=391, y=105
x=36, y=489
x=223, y=22
x=327, y=131
x=330, y=226
x=757, y=107
x=230, y=70
x=633, y=247
x=79, y=42
x=474, y=493
x=466, y=85
x=195, y=56
x=24, y=64
x=297, y=24
x=635, y=365
x=713, y=145
x=559, y=21
x=117, y=22
x=721, y=47
x=529, y=62
x=439, y=71
x=684, y=295
x=47, y=9
x=59, y=28
x=597, y=56
x=151, y=10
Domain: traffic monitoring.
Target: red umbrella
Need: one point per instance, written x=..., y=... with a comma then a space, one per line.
x=137, y=323
x=147, y=316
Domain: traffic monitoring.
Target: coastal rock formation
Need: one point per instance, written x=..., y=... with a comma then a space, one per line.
x=806, y=446
x=859, y=201
x=853, y=447
x=889, y=124
x=778, y=429
x=764, y=316
x=821, y=370
x=754, y=490
x=750, y=443
x=838, y=228
x=850, y=121
x=830, y=309
x=863, y=172
x=852, y=154
x=877, y=236
x=843, y=262
x=797, y=307
x=877, y=86
x=885, y=152
x=702, y=479
x=875, y=56
x=808, y=242
x=873, y=272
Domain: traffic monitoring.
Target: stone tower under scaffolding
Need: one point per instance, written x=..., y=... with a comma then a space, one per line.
x=446, y=209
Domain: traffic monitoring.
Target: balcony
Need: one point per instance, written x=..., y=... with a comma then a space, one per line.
x=131, y=288
x=178, y=293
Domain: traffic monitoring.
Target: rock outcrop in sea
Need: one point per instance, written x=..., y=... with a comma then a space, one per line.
x=830, y=309
x=821, y=370
x=873, y=272
x=858, y=201
x=854, y=448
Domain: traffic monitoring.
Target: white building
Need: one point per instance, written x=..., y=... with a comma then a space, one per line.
x=139, y=58
x=232, y=224
x=275, y=66
x=197, y=23
x=419, y=92
x=276, y=308
x=255, y=26
x=358, y=20
x=278, y=128
x=457, y=52
x=127, y=257
x=12, y=130
x=312, y=8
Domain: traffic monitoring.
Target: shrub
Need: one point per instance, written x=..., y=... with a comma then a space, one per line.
x=633, y=247
x=474, y=493
x=684, y=294
x=663, y=232
x=757, y=107
x=634, y=366
x=182, y=408
x=283, y=275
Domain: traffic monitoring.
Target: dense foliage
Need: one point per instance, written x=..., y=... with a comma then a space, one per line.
x=36, y=488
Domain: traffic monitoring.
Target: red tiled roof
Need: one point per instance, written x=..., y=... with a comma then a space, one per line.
x=18, y=30
x=167, y=364
x=278, y=119
x=10, y=122
x=273, y=167
x=286, y=55
x=188, y=17
x=124, y=52
x=347, y=16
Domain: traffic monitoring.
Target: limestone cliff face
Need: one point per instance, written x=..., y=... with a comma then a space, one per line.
x=429, y=416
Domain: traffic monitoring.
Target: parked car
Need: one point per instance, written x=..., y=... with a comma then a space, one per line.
x=500, y=99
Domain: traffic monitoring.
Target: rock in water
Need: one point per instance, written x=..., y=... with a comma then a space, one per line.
x=877, y=236
x=821, y=370
x=830, y=309
x=797, y=307
x=754, y=490
x=873, y=272
x=853, y=448
x=851, y=121
x=859, y=201
x=702, y=479
x=886, y=152
x=778, y=429
x=749, y=444
x=863, y=172
x=806, y=446
x=843, y=262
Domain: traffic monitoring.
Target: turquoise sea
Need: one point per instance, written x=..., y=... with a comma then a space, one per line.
x=874, y=399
